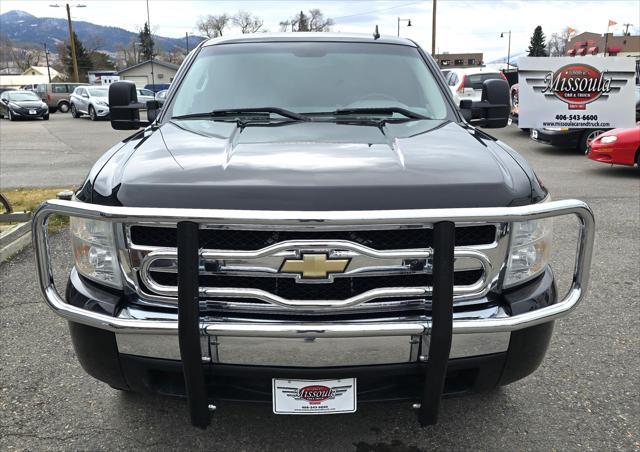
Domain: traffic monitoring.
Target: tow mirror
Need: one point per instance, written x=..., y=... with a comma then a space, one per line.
x=153, y=108
x=494, y=107
x=124, y=106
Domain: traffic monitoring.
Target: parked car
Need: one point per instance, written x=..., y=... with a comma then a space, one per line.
x=340, y=234
x=57, y=95
x=157, y=87
x=22, y=105
x=90, y=100
x=580, y=139
x=161, y=96
x=617, y=147
x=467, y=83
x=145, y=95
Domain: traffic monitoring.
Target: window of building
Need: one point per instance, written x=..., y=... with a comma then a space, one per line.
x=471, y=61
x=446, y=62
x=459, y=62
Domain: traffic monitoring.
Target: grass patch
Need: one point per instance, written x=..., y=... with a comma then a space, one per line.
x=28, y=199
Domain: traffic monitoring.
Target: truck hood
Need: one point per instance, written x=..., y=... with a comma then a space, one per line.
x=313, y=166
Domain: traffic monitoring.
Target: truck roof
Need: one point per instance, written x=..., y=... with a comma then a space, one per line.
x=309, y=36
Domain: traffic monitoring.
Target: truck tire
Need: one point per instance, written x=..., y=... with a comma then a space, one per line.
x=64, y=107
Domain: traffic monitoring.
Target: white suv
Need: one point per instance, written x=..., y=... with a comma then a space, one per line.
x=467, y=83
x=90, y=100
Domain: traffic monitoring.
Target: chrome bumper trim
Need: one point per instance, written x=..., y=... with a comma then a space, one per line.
x=308, y=218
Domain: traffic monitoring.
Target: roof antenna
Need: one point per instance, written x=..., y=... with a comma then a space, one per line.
x=376, y=34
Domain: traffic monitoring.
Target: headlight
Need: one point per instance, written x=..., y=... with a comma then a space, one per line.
x=95, y=251
x=103, y=103
x=529, y=250
x=608, y=139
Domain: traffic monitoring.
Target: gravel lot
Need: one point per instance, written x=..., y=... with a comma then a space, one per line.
x=585, y=396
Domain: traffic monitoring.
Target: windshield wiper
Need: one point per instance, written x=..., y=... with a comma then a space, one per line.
x=242, y=112
x=379, y=111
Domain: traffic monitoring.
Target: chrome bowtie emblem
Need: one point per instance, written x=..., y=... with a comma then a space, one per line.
x=314, y=266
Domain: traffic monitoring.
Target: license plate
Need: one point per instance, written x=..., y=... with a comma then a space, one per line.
x=32, y=112
x=534, y=134
x=314, y=396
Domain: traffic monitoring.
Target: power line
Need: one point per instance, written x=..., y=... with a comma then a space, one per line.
x=376, y=11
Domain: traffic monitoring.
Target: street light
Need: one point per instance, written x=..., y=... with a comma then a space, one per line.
x=71, y=40
x=508, y=48
x=408, y=21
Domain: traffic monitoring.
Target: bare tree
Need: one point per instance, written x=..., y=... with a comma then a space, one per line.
x=314, y=21
x=559, y=41
x=23, y=57
x=317, y=22
x=247, y=22
x=175, y=56
x=212, y=26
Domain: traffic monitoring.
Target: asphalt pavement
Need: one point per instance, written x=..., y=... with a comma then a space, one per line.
x=54, y=153
x=585, y=395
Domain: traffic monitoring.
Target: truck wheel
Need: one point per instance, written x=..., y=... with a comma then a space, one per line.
x=74, y=111
x=587, y=137
x=63, y=107
x=92, y=113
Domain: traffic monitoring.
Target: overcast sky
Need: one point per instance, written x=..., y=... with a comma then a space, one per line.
x=471, y=25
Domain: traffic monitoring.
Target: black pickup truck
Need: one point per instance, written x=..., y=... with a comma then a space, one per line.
x=310, y=221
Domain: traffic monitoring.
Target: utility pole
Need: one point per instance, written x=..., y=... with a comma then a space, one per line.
x=626, y=29
x=153, y=79
x=186, y=37
x=433, y=30
x=46, y=56
x=71, y=40
x=76, y=78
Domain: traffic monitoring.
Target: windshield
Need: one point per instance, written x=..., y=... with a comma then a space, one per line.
x=309, y=77
x=99, y=92
x=17, y=97
x=477, y=80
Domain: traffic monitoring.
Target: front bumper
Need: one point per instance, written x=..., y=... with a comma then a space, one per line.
x=559, y=138
x=425, y=340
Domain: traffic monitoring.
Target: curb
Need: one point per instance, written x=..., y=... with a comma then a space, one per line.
x=14, y=240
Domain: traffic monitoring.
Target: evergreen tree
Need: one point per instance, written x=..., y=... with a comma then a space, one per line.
x=538, y=47
x=146, y=43
x=83, y=57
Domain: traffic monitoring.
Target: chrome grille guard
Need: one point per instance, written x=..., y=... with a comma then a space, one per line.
x=311, y=219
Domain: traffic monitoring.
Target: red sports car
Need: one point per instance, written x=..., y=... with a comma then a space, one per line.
x=617, y=146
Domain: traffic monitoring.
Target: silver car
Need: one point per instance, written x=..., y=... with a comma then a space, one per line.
x=145, y=95
x=90, y=100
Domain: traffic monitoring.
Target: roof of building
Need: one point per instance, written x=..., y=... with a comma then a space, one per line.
x=625, y=44
x=42, y=70
x=158, y=62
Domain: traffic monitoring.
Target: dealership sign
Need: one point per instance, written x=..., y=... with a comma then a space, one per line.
x=587, y=92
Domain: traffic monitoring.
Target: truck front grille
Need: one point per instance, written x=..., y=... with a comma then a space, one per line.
x=236, y=264
x=380, y=239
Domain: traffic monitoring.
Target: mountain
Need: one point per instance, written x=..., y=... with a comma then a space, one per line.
x=513, y=58
x=23, y=28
